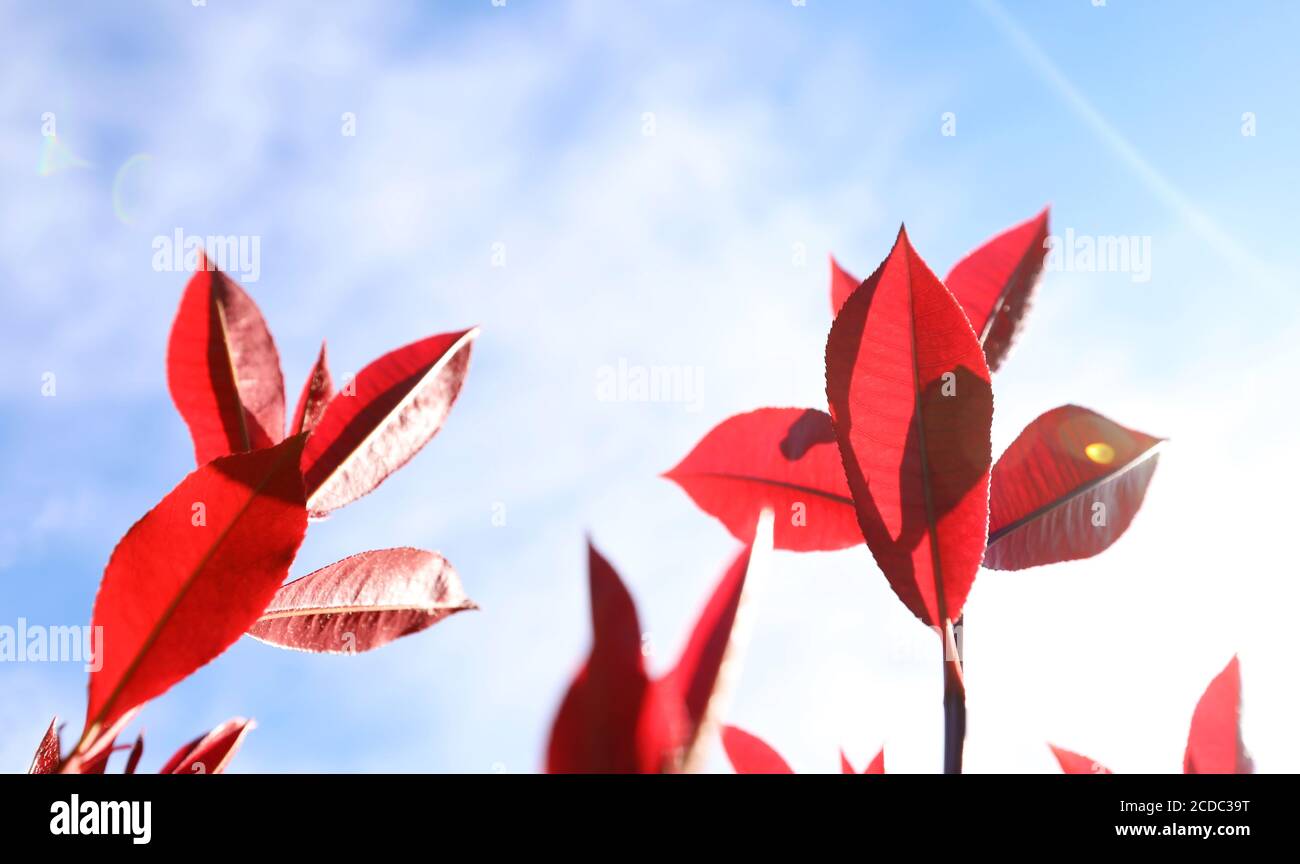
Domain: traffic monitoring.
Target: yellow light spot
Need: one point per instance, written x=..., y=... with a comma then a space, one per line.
x=1100, y=452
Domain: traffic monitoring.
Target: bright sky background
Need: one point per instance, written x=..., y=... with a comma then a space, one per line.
x=776, y=125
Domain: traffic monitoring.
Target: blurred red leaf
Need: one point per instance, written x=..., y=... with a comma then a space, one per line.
x=780, y=458
x=695, y=678
x=210, y=753
x=133, y=760
x=48, y=753
x=193, y=574
x=362, y=602
x=994, y=284
x=909, y=392
x=612, y=720
x=843, y=284
x=1066, y=488
x=1073, y=763
x=749, y=754
x=316, y=394
x=876, y=766
x=382, y=418
x=1214, y=744
x=223, y=370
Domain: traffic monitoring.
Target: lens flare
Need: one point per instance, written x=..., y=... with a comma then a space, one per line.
x=1100, y=452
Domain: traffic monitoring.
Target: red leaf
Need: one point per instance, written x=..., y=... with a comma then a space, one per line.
x=695, y=678
x=909, y=393
x=612, y=720
x=193, y=574
x=48, y=753
x=363, y=602
x=211, y=753
x=382, y=418
x=1066, y=488
x=842, y=285
x=1073, y=763
x=780, y=458
x=315, y=395
x=1214, y=743
x=994, y=284
x=223, y=370
x=877, y=765
x=750, y=755
x=137, y=750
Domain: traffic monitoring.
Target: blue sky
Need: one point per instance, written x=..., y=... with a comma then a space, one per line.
x=777, y=127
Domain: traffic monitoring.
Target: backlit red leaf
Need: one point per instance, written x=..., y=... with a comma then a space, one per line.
x=750, y=755
x=1073, y=763
x=316, y=394
x=1066, y=488
x=363, y=602
x=909, y=393
x=382, y=418
x=1214, y=744
x=48, y=753
x=784, y=459
x=695, y=678
x=223, y=370
x=994, y=284
x=211, y=753
x=193, y=575
x=843, y=284
x=612, y=720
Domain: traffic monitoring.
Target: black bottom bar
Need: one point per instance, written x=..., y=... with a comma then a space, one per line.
x=329, y=813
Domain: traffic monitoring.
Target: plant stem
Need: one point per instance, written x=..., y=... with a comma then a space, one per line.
x=954, y=703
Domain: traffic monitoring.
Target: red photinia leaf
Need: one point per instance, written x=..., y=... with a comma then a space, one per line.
x=909, y=393
x=1214, y=743
x=1073, y=763
x=842, y=285
x=193, y=575
x=750, y=755
x=784, y=459
x=612, y=720
x=133, y=760
x=211, y=753
x=363, y=602
x=994, y=283
x=382, y=418
x=695, y=677
x=1066, y=488
x=316, y=394
x=223, y=370
x=48, y=753
x=877, y=765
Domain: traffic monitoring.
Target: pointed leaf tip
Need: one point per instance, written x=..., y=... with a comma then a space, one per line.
x=1214, y=744
x=995, y=283
x=912, y=407
x=223, y=370
x=382, y=418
